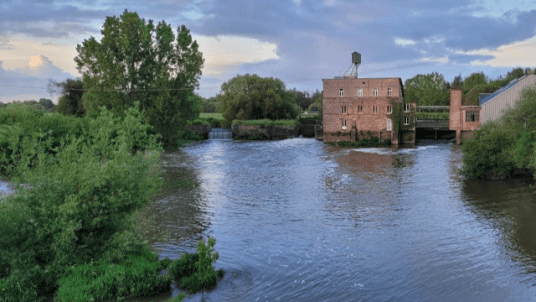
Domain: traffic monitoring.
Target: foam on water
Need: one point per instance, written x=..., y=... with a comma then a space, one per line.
x=387, y=151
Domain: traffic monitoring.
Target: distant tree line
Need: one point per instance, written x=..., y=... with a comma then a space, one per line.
x=43, y=104
x=432, y=89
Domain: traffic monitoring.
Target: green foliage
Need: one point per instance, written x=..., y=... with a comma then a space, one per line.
x=138, y=61
x=78, y=197
x=184, y=266
x=489, y=151
x=249, y=97
x=309, y=120
x=477, y=78
x=136, y=277
x=185, y=137
x=70, y=101
x=432, y=115
x=427, y=90
x=209, y=105
x=523, y=153
x=266, y=122
x=195, y=271
x=198, y=121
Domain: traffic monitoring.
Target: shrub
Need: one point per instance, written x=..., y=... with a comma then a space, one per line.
x=266, y=122
x=78, y=199
x=489, y=151
x=195, y=271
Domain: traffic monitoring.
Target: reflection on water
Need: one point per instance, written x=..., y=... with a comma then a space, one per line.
x=297, y=220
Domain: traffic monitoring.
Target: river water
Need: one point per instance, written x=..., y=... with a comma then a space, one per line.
x=298, y=220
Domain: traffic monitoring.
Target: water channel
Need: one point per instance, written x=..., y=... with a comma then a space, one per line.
x=298, y=220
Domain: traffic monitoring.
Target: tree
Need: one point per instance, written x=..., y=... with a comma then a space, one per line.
x=70, y=101
x=249, y=97
x=136, y=61
x=476, y=78
x=457, y=83
x=47, y=104
x=516, y=73
x=427, y=90
x=209, y=105
x=302, y=98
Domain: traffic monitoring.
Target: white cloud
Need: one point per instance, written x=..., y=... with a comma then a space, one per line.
x=404, y=42
x=224, y=53
x=21, y=53
x=444, y=59
x=516, y=54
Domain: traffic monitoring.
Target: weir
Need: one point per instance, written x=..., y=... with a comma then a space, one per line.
x=220, y=133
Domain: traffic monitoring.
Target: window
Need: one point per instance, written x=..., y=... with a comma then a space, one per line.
x=389, y=91
x=359, y=109
x=406, y=107
x=343, y=109
x=360, y=92
x=389, y=125
x=406, y=120
x=341, y=92
x=343, y=124
x=389, y=109
x=374, y=109
x=375, y=92
x=471, y=116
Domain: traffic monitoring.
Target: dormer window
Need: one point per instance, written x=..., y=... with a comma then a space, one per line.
x=341, y=92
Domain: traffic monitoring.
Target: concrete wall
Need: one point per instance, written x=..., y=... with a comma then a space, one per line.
x=202, y=130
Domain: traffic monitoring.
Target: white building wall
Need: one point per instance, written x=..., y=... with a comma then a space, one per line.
x=493, y=109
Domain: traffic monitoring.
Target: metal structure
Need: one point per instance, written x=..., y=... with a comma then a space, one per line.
x=356, y=60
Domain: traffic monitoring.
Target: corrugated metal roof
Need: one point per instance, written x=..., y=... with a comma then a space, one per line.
x=503, y=89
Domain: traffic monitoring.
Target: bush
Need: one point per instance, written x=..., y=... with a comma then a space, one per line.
x=78, y=198
x=489, y=151
x=195, y=271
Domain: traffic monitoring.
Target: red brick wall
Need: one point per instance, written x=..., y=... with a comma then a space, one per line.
x=464, y=129
x=367, y=120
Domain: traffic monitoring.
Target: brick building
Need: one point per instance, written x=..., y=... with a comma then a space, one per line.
x=463, y=119
x=358, y=108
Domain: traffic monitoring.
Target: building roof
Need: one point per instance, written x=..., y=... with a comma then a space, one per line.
x=503, y=89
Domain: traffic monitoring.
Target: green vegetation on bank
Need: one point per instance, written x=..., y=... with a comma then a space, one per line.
x=502, y=147
x=70, y=228
x=267, y=122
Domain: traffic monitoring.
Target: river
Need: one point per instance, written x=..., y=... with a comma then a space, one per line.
x=299, y=220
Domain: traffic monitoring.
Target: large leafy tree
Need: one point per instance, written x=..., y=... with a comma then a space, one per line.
x=427, y=89
x=70, y=101
x=250, y=97
x=138, y=61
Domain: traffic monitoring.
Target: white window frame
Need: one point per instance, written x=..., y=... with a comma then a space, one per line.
x=375, y=109
x=407, y=106
x=389, y=109
x=341, y=92
x=343, y=124
x=389, y=125
x=359, y=92
x=360, y=109
x=406, y=120
x=389, y=91
x=343, y=109
x=375, y=91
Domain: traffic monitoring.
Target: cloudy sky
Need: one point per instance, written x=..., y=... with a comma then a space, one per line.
x=299, y=41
